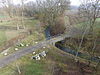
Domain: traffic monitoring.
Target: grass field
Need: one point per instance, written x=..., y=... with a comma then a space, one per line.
x=97, y=24
x=27, y=66
x=43, y=67
x=56, y=63
x=2, y=16
x=36, y=36
x=2, y=37
x=8, y=34
x=31, y=39
x=18, y=21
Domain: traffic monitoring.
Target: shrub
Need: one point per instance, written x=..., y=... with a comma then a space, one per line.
x=58, y=28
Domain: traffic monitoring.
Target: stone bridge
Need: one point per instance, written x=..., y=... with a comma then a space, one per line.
x=53, y=40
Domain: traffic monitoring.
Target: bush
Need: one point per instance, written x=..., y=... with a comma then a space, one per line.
x=58, y=28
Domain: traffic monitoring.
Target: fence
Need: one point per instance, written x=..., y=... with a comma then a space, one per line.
x=10, y=27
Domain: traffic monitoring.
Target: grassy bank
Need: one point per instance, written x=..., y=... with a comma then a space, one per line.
x=55, y=62
x=2, y=37
x=9, y=34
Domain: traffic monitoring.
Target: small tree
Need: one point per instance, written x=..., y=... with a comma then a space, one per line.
x=58, y=30
x=22, y=14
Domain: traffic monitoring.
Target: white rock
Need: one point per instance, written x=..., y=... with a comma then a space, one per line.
x=27, y=45
x=33, y=52
x=21, y=44
x=44, y=55
x=43, y=47
x=99, y=57
x=36, y=42
x=16, y=49
x=5, y=54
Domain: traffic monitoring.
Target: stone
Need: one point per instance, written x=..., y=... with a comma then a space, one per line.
x=5, y=54
x=27, y=45
x=99, y=57
x=43, y=47
x=36, y=42
x=16, y=49
x=33, y=52
x=21, y=44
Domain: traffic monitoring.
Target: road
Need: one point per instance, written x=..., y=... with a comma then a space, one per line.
x=18, y=54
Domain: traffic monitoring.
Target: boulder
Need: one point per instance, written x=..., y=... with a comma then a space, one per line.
x=27, y=45
x=33, y=52
x=36, y=42
x=43, y=47
x=5, y=54
x=16, y=49
x=21, y=44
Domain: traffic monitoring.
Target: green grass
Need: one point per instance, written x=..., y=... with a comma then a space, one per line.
x=30, y=23
x=7, y=33
x=30, y=39
x=2, y=16
x=98, y=19
x=26, y=65
x=96, y=26
x=6, y=23
x=46, y=66
x=14, y=21
x=32, y=67
x=2, y=37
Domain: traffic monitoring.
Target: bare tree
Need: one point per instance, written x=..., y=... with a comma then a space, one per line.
x=8, y=6
x=51, y=10
x=30, y=9
x=22, y=3
x=90, y=9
